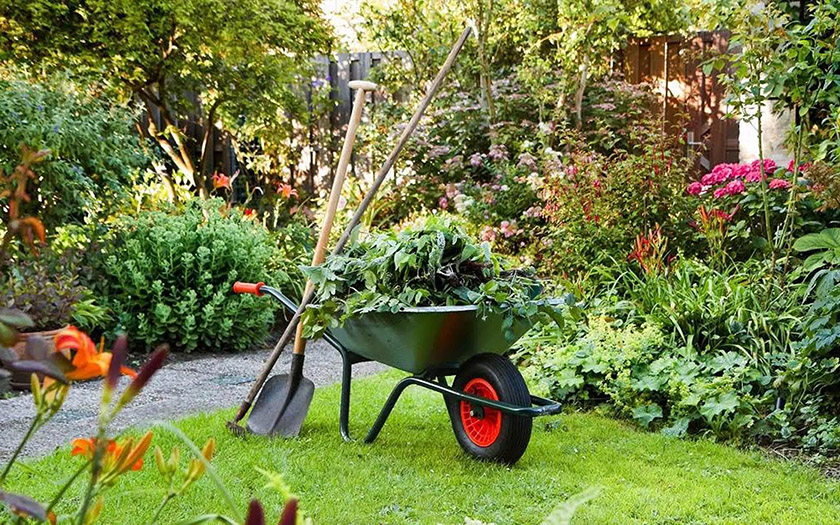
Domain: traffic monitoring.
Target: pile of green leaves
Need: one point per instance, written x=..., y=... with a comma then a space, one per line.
x=435, y=264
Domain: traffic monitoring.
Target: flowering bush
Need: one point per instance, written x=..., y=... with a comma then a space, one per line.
x=597, y=205
x=731, y=210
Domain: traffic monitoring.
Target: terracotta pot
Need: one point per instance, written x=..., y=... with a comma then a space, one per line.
x=20, y=380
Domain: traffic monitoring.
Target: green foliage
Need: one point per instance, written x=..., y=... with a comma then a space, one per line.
x=234, y=63
x=692, y=350
x=709, y=311
x=94, y=153
x=824, y=258
x=806, y=77
x=435, y=264
x=168, y=278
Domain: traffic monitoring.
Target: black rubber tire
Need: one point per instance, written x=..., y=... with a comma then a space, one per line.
x=515, y=432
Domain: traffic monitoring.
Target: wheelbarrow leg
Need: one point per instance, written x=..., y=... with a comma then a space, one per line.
x=344, y=410
x=389, y=405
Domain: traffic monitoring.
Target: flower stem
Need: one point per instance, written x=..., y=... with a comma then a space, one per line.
x=66, y=486
x=32, y=428
x=96, y=467
x=169, y=497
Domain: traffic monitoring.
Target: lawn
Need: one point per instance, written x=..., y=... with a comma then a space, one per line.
x=416, y=473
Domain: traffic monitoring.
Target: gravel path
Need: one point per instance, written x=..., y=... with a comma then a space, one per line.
x=180, y=388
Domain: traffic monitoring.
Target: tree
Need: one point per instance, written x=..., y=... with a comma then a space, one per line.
x=240, y=59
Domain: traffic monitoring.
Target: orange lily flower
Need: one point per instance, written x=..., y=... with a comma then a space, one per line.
x=119, y=457
x=286, y=190
x=221, y=181
x=87, y=361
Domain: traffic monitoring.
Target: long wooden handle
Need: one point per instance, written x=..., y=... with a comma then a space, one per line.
x=335, y=196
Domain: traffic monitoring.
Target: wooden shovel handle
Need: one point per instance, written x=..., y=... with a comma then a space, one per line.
x=320, y=254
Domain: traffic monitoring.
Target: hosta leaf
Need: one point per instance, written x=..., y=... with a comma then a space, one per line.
x=678, y=429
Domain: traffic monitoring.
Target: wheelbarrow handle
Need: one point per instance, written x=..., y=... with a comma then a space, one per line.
x=252, y=288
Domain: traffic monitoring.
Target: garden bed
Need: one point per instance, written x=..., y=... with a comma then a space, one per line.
x=416, y=472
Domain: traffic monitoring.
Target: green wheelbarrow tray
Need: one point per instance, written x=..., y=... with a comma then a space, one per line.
x=431, y=343
x=417, y=339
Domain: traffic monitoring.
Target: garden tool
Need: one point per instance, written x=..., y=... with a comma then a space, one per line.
x=284, y=401
x=345, y=237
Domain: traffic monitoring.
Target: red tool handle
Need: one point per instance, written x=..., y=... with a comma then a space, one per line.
x=254, y=288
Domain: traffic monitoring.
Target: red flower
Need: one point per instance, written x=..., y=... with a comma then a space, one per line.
x=779, y=184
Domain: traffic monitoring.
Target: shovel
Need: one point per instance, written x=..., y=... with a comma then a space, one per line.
x=284, y=400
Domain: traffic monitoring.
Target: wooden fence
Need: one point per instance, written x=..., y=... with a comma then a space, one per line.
x=693, y=102
x=316, y=149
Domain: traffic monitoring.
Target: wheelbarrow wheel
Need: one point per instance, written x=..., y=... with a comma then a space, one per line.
x=487, y=433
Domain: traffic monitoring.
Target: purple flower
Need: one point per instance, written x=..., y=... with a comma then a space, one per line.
x=498, y=152
x=438, y=151
x=476, y=160
x=526, y=160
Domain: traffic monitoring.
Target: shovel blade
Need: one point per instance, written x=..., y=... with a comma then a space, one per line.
x=282, y=406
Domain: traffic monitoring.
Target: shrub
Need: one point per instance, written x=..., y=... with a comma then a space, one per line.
x=643, y=377
x=168, y=277
x=48, y=290
x=687, y=349
x=597, y=205
x=94, y=151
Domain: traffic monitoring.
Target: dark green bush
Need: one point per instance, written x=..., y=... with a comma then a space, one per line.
x=94, y=151
x=168, y=278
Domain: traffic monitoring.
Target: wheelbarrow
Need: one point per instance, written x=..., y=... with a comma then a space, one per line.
x=488, y=402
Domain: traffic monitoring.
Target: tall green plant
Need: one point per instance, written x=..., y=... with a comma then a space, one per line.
x=806, y=79
x=757, y=33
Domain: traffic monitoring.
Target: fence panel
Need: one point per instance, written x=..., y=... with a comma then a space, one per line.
x=693, y=102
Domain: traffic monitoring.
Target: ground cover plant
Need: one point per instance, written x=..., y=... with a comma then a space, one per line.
x=433, y=264
x=416, y=472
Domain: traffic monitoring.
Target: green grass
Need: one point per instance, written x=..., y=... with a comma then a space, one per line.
x=416, y=473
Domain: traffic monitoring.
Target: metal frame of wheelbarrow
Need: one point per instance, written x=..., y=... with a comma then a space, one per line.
x=433, y=379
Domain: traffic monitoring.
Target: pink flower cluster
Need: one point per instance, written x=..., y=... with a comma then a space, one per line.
x=506, y=229
x=731, y=179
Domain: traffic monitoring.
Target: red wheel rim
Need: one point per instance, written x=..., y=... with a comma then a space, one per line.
x=483, y=431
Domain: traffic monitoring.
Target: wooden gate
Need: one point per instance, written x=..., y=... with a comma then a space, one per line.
x=693, y=102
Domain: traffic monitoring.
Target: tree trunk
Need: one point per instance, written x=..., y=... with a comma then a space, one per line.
x=181, y=156
x=482, y=25
x=581, y=89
